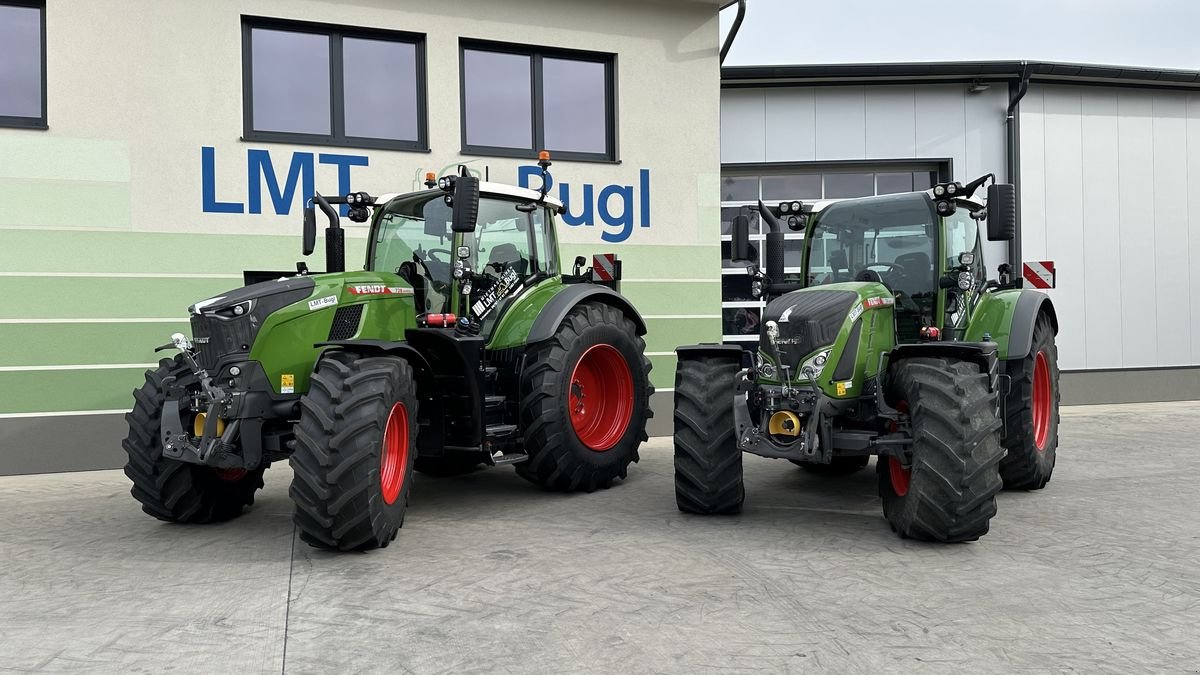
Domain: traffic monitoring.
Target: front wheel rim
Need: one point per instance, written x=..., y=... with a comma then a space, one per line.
x=600, y=397
x=394, y=458
x=1041, y=401
x=901, y=477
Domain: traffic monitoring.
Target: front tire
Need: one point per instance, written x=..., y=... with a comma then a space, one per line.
x=355, y=447
x=170, y=490
x=948, y=493
x=1031, y=413
x=585, y=399
x=708, y=463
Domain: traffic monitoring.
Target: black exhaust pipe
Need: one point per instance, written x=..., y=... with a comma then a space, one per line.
x=774, y=248
x=335, y=237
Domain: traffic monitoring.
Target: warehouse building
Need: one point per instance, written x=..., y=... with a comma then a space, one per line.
x=151, y=151
x=1106, y=161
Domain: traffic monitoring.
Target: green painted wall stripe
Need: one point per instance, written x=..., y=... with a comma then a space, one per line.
x=104, y=297
x=99, y=204
x=651, y=261
x=51, y=157
x=59, y=344
x=68, y=390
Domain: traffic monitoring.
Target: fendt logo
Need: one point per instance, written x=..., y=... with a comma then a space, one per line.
x=618, y=208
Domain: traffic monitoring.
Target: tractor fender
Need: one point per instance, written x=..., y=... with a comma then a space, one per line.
x=401, y=349
x=985, y=354
x=562, y=303
x=1030, y=305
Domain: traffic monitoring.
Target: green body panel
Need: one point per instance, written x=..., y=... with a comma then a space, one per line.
x=877, y=337
x=517, y=320
x=993, y=314
x=285, y=343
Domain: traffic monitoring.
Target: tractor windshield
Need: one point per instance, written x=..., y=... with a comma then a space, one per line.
x=413, y=239
x=889, y=239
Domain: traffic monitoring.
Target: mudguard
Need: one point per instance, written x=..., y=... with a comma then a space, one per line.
x=1009, y=317
x=562, y=303
x=984, y=354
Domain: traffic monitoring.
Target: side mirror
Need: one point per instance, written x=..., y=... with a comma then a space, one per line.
x=740, y=250
x=466, y=204
x=580, y=262
x=310, y=229
x=1001, y=211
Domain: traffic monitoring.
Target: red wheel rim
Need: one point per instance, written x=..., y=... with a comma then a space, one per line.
x=231, y=475
x=901, y=476
x=1041, y=400
x=395, y=453
x=600, y=397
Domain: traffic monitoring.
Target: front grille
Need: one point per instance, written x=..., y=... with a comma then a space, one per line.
x=814, y=319
x=215, y=337
x=345, y=322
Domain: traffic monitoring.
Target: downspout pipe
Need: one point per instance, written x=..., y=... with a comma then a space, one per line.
x=1016, y=91
x=733, y=30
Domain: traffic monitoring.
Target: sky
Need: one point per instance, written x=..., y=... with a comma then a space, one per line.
x=1155, y=33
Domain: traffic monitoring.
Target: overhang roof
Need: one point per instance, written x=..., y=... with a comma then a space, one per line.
x=957, y=71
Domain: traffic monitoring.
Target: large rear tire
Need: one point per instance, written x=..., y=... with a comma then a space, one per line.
x=171, y=490
x=1031, y=413
x=585, y=399
x=355, y=447
x=708, y=464
x=948, y=493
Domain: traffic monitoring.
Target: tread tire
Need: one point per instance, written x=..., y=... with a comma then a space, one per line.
x=339, y=445
x=170, y=490
x=557, y=459
x=1025, y=468
x=956, y=450
x=708, y=464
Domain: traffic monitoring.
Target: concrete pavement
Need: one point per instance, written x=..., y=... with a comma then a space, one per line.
x=1095, y=573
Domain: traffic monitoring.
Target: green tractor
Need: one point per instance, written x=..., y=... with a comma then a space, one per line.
x=460, y=343
x=891, y=342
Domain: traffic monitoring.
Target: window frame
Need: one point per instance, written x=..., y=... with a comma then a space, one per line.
x=537, y=131
x=21, y=121
x=337, y=100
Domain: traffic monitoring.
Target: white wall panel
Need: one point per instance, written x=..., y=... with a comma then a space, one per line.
x=790, y=125
x=941, y=122
x=1135, y=145
x=840, y=123
x=1102, y=271
x=743, y=125
x=891, y=122
x=1171, y=228
x=1193, y=151
x=1033, y=177
x=1064, y=219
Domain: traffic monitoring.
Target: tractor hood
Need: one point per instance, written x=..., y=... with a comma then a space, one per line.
x=821, y=328
x=278, y=293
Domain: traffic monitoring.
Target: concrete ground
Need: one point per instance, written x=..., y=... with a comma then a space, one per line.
x=1097, y=573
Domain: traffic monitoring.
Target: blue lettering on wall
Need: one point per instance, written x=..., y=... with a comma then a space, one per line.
x=260, y=170
x=614, y=204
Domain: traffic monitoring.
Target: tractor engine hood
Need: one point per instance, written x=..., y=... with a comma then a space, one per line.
x=228, y=323
x=817, y=322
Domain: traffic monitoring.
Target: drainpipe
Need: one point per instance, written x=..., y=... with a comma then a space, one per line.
x=1016, y=91
x=733, y=30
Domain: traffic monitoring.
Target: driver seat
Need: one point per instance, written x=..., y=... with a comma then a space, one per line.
x=508, y=254
x=917, y=273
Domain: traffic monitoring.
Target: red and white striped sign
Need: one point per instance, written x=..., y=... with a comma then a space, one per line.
x=1039, y=273
x=604, y=266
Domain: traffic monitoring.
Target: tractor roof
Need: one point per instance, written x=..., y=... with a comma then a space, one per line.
x=494, y=189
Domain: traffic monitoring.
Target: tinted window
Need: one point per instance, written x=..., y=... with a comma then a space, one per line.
x=375, y=99
x=380, y=111
x=519, y=100
x=799, y=186
x=845, y=185
x=574, y=105
x=889, y=183
x=290, y=81
x=739, y=188
x=21, y=62
x=497, y=99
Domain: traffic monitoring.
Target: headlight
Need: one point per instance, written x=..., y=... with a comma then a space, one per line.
x=234, y=311
x=965, y=281
x=816, y=364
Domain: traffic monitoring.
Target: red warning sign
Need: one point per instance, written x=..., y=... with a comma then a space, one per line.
x=1039, y=274
x=604, y=266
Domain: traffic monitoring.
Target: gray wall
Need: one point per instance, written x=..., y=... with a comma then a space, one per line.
x=876, y=122
x=1109, y=177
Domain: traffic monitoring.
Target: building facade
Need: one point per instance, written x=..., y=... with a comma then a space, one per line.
x=150, y=151
x=1106, y=161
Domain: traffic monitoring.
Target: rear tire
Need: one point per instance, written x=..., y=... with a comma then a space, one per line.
x=575, y=442
x=949, y=492
x=840, y=466
x=708, y=463
x=1031, y=413
x=355, y=448
x=170, y=490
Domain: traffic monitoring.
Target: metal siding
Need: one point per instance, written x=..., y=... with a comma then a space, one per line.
x=1193, y=153
x=840, y=123
x=1102, y=308
x=1064, y=219
x=1135, y=139
x=1171, y=268
x=941, y=122
x=790, y=129
x=743, y=125
x=891, y=122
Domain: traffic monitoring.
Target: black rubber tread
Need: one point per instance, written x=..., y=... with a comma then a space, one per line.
x=956, y=451
x=708, y=464
x=445, y=467
x=557, y=460
x=840, y=466
x=339, y=440
x=1025, y=468
x=171, y=490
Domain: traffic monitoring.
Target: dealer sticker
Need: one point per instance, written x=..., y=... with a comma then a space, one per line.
x=378, y=289
x=287, y=383
x=327, y=301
